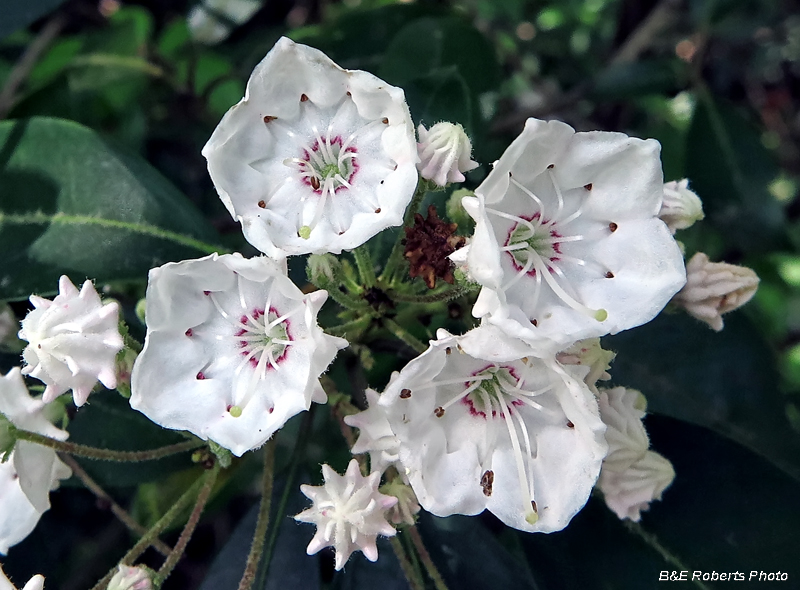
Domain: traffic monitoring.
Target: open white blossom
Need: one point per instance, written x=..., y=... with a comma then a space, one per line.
x=130, y=578
x=482, y=427
x=681, y=207
x=73, y=341
x=35, y=583
x=314, y=158
x=444, y=152
x=349, y=513
x=714, y=288
x=31, y=471
x=568, y=244
x=375, y=435
x=632, y=476
x=232, y=350
x=211, y=21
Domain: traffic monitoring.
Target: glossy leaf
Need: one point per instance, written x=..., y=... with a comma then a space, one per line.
x=72, y=204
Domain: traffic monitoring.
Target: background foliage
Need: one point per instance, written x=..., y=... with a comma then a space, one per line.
x=105, y=108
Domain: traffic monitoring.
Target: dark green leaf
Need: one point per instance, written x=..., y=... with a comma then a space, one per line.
x=72, y=204
x=730, y=170
x=636, y=78
x=725, y=380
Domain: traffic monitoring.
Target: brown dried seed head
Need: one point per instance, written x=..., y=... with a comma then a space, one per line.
x=428, y=244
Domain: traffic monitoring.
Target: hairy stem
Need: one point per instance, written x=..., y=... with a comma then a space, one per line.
x=366, y=270
x=404, y=335
x=430, y=567
x=260, y=535
x=411, y=577
x=191, y=525
x=115, y=508
x=106, y=454
x=444, y=296
x=352, y=326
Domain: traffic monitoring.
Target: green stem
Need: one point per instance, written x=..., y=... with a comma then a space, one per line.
x=345, y=299
x=430, y=567
x=366, y=269
x=188, y=529
x=118, y=511
x=257, y=548
x=445, y=295
x=404, y=335
x=411, y=577
x=105, y=454
x=396, y=256
x=352, y=326
x=152, y=534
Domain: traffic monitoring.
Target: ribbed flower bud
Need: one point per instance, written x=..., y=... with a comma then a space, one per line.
x=444, y=153
x=680, y=207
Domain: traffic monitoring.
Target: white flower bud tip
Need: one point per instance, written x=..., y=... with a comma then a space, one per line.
x=444, y=153
x=131, y=578
x=681, y=207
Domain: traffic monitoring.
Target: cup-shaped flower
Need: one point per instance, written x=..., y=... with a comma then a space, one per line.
x=445, y=153
x=375, y=434
x=632, y=476
x=349, y=513
x=714, y=288
x=31, y=471
x=314, y=158
x=35, y=583
x=681, y=207
x=73, y=341
x=232, y=350
x=481, y=426
x=568, y=244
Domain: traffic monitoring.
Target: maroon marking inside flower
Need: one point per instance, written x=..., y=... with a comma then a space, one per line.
x=248, y=328
x=309, y=163
x=468, y=401
x=556, y=246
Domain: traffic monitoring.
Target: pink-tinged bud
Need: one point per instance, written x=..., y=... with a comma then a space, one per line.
x=444, y=153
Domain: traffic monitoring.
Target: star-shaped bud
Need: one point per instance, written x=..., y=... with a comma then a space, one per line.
x=557, y=222
x=30, y=471
x=375, y=434
x=232, y=351
x=715, y=288
x=681, y=207
x=482, y=424
x=35, y=583
x=349, y=513
x=73, y=341
x=445, y=153
x=315, y=158
x=632, y=476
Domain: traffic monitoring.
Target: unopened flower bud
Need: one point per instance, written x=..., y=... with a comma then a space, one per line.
x=681, y=207
x=714, y=288
x=444, y=153
x=589, y=353
x=322, y=267
x=407, y=504
x=131, y=578
x=455, y=209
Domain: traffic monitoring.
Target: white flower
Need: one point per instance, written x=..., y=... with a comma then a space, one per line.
x=589, y=353
x=35, y=583
x=482, y=427
x=714, y=288
x=444, y=152
x=73, y=341
x=567, y=241
x=314, y=158
x=375, y=434
x=349, y=513
x=31, y=471
x=130, y=578
x=632, y=476
x=205, y=24
x=232, y=350
x=681, y=207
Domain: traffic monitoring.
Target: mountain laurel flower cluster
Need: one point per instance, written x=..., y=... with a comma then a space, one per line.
x=715, y=288
x=568, y=243
x=73, y=341
x=632, y=476
x=349, y=513
x=315, y=158
x=30, y=471
x=445, y=153
x=573, y=240
x=232, y=351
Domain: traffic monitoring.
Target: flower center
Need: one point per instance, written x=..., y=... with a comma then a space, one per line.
x=533, y=238
x=263, y=336
x=487, y=389
x=328, y=165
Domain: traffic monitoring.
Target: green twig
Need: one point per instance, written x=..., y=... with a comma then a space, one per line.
x=152, y=534
x=366, y=269
x=444, y=295
x=404, y=335
x=355, y=325
x=257, y=547
x=115, y=508
x=405, y=565
x=396, y=256
x=105, y=454
x=188, y=529
x=430, y=567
